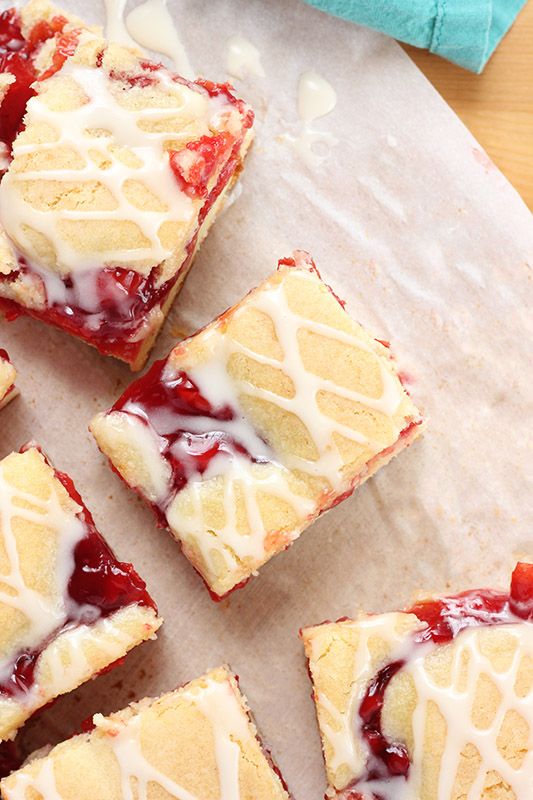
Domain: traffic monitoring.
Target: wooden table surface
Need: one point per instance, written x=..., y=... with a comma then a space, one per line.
x=497, y=106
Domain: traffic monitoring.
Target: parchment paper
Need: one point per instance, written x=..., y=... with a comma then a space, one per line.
x=430, y=246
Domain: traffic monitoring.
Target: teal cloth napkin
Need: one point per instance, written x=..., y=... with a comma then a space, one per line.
x=464, y=31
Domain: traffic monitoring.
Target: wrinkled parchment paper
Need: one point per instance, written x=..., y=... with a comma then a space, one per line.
x=428, y=243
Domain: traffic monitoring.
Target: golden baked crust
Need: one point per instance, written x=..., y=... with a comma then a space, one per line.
x=40, y=528
x=8, y=375
x=459, y=710
x=116, y=168
x=317, y=408
x=196, y=742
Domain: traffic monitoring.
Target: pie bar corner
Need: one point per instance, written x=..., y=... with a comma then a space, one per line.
x=433, y=701
x=251, y=428
x=193, y=743
x=69, y=609
x=114, y=169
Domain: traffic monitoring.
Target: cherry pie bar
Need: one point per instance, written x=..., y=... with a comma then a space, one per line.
x=115, y=169
x=8, y=375
x=250, y=429
x=196, y=743
x=430, y=703
x=68, y=608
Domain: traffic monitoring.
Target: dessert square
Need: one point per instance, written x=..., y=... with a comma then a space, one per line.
x=68, y=608
x=254, y=426
x=195, y=743
x=432, y=702
x=115, y=168
x=8, y=375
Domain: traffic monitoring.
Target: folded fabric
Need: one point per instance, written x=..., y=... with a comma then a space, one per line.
x=464, y=31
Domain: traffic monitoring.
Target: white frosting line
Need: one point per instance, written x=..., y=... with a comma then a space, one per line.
x=307, y=385
x=152, y=26
x=115, y=28
x=8, y=375
x=70, y=649
x=44, y=783
x=456, y=707
x=127, y=430
x=345, y=748
x=243, y=57
x=44, y=614
x=454, y=704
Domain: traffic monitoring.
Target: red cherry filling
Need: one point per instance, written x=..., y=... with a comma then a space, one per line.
x=16, y=57
x=198, y=161
x=66, y=46
x=386, y=758
x=445, y=618
x=521, y=599
x=165, y=404
x=99, y=586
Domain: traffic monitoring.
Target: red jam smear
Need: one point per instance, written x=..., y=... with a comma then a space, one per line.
x=126, y=298
x=180, y=399
x=445, y=618
x=99, y=586
x=65, y=46
x=16, y=57
x=198, y=161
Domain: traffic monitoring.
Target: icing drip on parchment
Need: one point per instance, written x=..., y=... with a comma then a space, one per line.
x=215, y=701
x=149, y=25
x=316, y=98
x=243, y=57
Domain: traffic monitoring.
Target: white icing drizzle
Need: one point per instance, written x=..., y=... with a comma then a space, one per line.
x=226, y=540
x=454, y=703
x=243, y=57
x=316, y=98
x=115, y=28
x=103, y=111
x=44, y=614
x=44, y=783
x=238, y=472
x=307, y=385
x=67, y=659
x=152, y=26
x=345, y=749
x=216, y=702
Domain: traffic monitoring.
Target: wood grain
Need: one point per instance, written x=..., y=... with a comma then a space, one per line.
x=497, y=106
